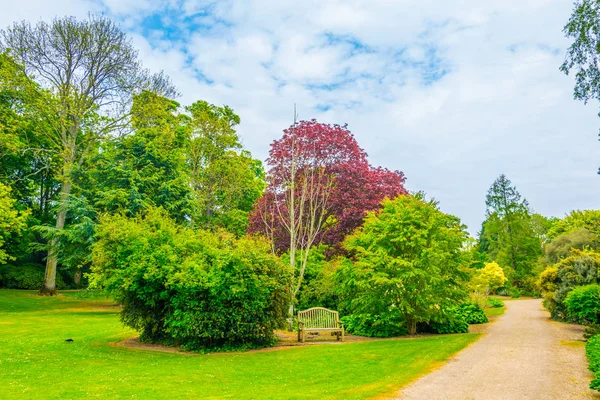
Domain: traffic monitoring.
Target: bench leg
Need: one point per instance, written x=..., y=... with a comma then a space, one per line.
x=303, y=336
x=299, y=331
x=342, y=334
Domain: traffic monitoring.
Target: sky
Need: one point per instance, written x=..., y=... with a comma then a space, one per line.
x=452, y=93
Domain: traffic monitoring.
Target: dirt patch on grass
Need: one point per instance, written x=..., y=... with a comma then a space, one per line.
x=134, y=343
x=286, y=340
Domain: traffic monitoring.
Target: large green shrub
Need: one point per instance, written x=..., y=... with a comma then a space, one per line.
x=580, y=268
x=592, y=350
x=196, y=289
x=470, y=313
x=375, y=325
x=583, y=304
x=461, y=317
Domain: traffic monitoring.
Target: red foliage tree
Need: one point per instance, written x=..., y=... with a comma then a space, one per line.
x=347, y=184
x=320, y=185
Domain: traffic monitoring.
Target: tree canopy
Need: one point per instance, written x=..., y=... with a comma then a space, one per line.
x=509, y=235
x=319, y=187
x=91, y=71
x=407, y=261
x=583, y=57
x=85, y=129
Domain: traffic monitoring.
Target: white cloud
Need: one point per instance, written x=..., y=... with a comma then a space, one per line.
x=501, y=105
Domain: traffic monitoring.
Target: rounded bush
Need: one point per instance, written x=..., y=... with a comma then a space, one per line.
x=583, y=304
x=195, y=289
x=495, y=303
x=470, y=313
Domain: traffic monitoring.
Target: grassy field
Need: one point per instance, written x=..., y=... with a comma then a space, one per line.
x=36, y=362
x=494, y=311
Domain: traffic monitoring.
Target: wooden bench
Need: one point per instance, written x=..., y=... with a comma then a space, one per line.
x=319, y=319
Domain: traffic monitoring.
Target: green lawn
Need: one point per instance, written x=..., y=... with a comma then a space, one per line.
x=494, y=311
x=36, y=362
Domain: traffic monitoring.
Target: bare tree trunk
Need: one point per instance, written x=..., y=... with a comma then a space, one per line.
x=49, y=286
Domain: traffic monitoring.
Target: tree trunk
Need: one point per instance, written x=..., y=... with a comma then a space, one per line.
x=411, y=326
x=77, y=278
x=49, y=286
x=291, y=317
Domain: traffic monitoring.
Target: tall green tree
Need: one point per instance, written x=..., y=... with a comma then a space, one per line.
x=92, y=69
x=583, y=56
x=127, y=175
x=509, y=232
x=406, y=262
x=27, y=162
x=189, y=161
x=226, y=180
x=146, y=168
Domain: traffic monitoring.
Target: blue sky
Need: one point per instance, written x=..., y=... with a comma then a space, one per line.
x=451, y=93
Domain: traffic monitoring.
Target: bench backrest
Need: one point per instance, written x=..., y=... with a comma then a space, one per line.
x=319, y=317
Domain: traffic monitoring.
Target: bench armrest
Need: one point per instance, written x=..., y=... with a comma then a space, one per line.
x=341, y=322
x=300, y=323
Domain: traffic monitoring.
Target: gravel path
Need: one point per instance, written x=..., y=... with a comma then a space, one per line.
x=522, y=355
